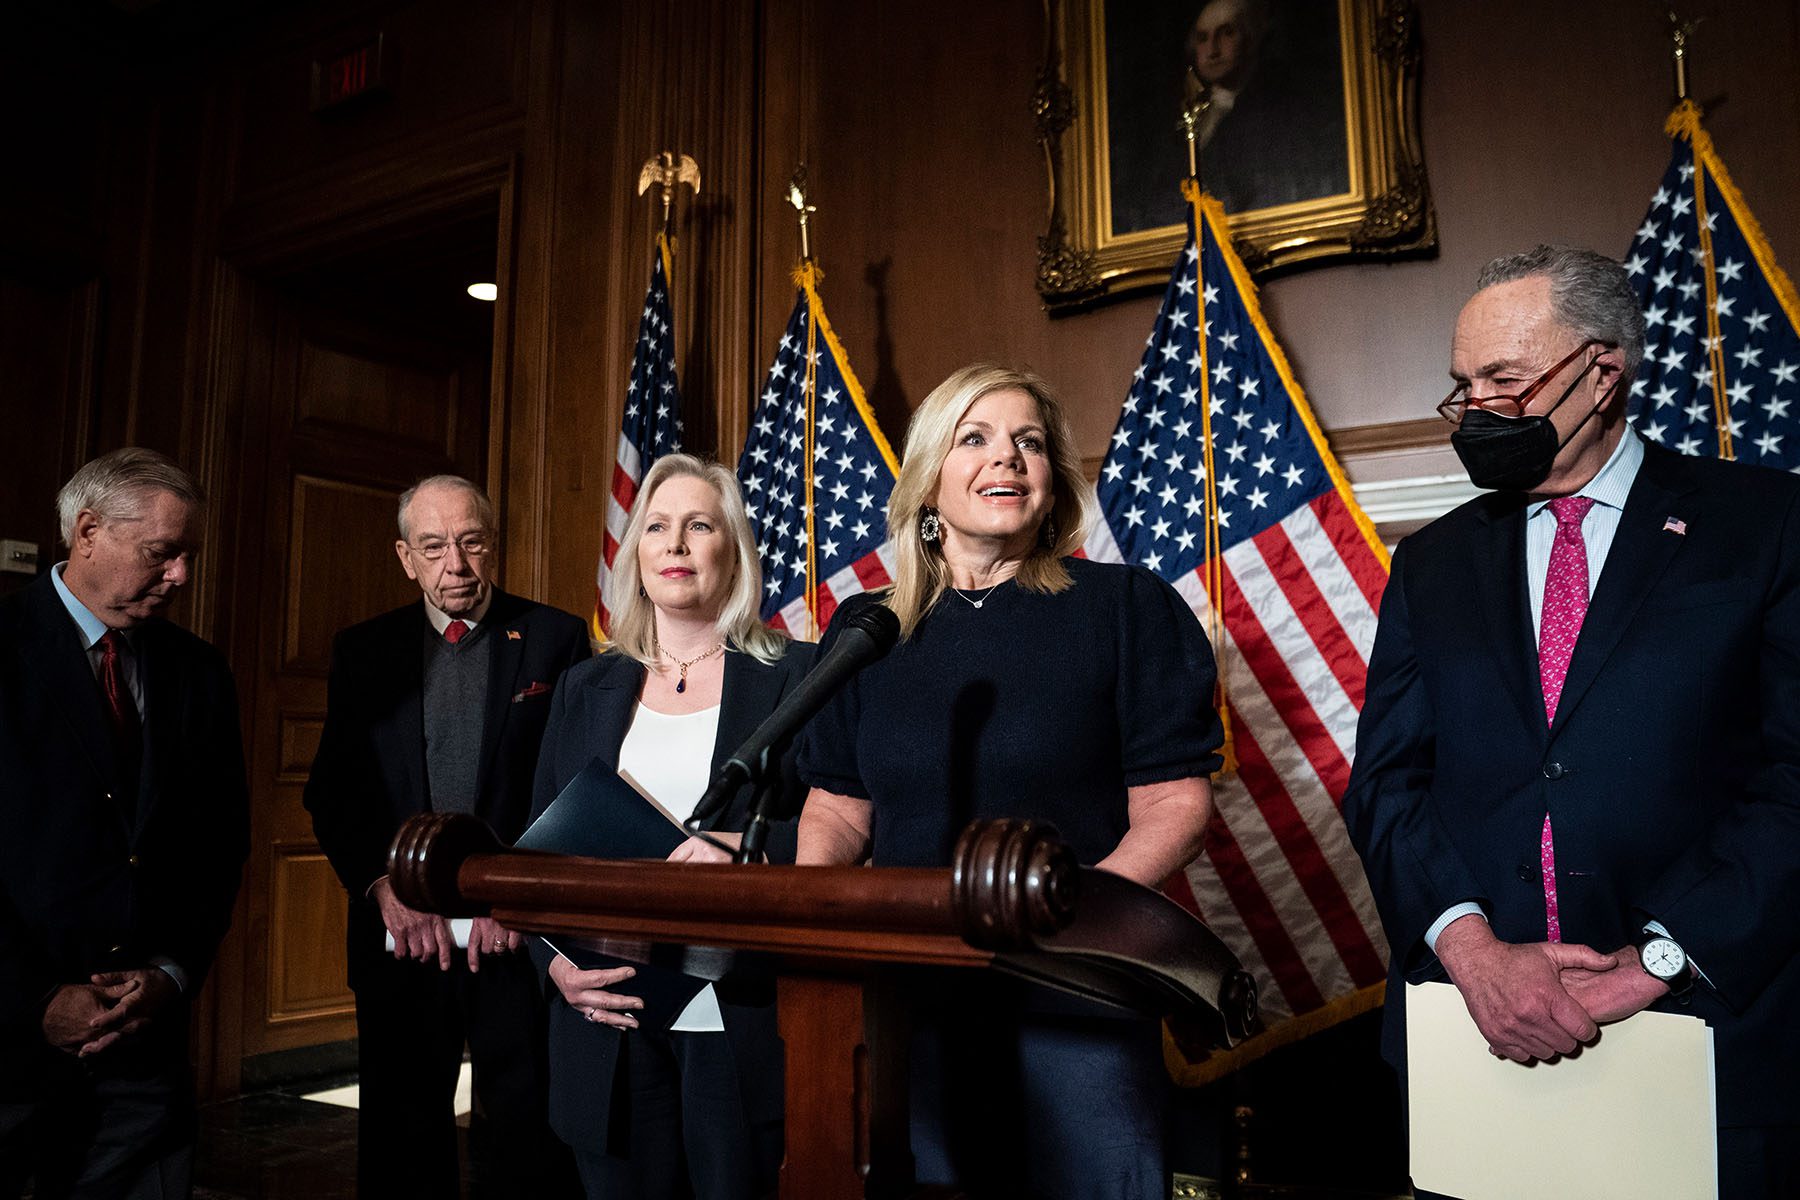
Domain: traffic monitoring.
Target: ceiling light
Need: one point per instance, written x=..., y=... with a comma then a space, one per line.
x=484, y=291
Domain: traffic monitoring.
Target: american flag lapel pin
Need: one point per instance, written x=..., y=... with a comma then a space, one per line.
x=1675, y=525
x=513, y=635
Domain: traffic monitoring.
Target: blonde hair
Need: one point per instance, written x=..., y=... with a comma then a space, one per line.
x=633, y=631
x=920, y=574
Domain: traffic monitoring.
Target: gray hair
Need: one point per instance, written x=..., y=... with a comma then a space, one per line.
x=115, y=485
x=633, y=624
x=1590, y=294
x=484, y=508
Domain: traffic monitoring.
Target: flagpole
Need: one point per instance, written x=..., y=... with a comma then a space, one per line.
x=1215, y=542
x=1198, y=101
x=668, y=172
x=807, y=277
x=1193, y=110
x=1688, y=114
x=1679, y=32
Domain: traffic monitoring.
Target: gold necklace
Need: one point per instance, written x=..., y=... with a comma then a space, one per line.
x=681, y=684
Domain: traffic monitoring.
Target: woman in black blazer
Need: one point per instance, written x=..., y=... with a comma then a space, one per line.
x=686, y=1103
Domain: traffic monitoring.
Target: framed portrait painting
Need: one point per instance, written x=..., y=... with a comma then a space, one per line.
x=1309, y=137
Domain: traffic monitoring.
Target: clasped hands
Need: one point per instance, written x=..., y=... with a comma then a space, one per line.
x=1539, y=1000
x=590, y=992
x=87, y=1018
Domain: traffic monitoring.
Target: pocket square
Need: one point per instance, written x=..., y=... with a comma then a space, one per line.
x=536, y=689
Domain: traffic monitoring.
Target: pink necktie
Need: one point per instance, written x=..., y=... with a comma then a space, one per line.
x=453, y=632
x=1565, y=604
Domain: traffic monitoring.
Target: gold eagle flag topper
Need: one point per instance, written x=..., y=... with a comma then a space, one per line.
x=667, y=172
x=796, y=196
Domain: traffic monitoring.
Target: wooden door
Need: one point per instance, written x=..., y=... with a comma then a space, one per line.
x=359, y=409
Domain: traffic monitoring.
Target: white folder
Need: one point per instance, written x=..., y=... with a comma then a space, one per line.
x=1632, y=1115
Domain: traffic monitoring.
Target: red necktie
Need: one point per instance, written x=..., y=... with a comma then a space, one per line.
x=1565, y=605
x=120, y=707
x=453, y=632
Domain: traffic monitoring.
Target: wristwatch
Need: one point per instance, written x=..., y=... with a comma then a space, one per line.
x=1664, y=959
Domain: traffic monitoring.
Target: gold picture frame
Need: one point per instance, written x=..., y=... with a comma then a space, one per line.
x=1383, y=209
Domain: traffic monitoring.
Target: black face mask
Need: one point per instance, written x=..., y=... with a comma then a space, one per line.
x=1513, y=454
x=1510, y=454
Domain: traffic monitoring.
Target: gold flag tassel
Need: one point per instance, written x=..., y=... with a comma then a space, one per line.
x=1215, y=560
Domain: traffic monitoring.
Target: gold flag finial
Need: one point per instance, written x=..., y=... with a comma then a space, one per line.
x=667, y=172
x=1679, y=32
x=796, y=196
x=1193, y=111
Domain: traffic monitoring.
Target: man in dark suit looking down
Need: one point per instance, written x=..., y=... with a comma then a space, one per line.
x=123, y=831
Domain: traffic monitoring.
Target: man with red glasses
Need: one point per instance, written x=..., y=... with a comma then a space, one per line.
x=1577, y=778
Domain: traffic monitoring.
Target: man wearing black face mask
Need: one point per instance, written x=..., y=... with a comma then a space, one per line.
x=1577, y=778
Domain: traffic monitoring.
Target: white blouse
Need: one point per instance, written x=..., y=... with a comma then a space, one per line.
x=668, y=759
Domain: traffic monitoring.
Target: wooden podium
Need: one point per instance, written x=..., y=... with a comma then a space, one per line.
x=837, y=939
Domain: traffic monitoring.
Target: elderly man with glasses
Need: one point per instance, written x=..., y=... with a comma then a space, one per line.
x=439, y=706
x=1577, y=778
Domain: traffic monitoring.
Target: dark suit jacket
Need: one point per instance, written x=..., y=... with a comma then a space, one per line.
x=593, y=709
x=1671, y=774
x=369, y=775
x=81, y=890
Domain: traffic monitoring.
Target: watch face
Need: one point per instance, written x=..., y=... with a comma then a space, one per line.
x=1663, y=958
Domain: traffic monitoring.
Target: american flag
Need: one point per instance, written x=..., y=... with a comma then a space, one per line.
x=652, y=423
x=816, y=474
x=1219, y=480
x=1721, y=371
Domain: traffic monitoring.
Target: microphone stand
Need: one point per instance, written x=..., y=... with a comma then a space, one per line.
x=768, y=788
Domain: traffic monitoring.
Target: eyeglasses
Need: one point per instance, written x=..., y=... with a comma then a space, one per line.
x=1459, y=401
x=473, y=545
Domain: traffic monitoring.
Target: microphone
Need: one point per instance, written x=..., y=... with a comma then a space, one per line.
x=867, y=634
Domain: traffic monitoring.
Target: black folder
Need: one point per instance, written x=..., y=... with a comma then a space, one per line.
x=599, y=815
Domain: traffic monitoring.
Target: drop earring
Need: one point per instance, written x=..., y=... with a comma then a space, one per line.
x=930, y=528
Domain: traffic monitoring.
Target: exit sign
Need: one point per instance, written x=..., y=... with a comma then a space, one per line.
x=347, y=75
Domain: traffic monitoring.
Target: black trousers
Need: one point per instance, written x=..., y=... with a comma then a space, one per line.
x=678, y=1116
x=1009, y=1100
x=118, y=1125
x=412, y=1021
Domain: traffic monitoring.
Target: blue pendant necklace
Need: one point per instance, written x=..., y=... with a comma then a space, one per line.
x=681, y=683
